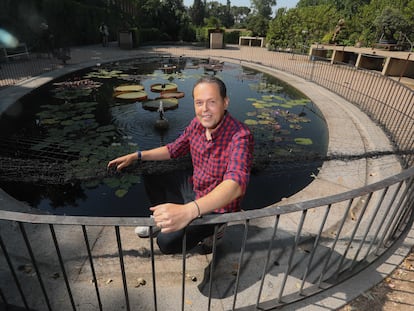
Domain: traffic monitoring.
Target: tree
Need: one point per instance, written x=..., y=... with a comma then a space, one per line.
x=228, y=19
x=302, y=26
x=389, y=23
x=221, y=12
x=197, y=12
x=240, y=14
x=258, y=25
x=172, y=18
x=263, y=8
x=408, y=13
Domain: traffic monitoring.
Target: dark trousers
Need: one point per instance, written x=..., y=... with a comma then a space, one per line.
x=175, y=188
x=172, y=243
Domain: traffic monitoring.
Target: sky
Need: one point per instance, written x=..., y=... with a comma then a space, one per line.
x=280, y=3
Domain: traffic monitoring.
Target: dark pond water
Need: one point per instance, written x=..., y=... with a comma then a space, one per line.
x=55, y=142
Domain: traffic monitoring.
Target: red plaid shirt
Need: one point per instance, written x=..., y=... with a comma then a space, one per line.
x=227, y=156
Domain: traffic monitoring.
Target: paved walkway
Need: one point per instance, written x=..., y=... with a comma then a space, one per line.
x=361, y=135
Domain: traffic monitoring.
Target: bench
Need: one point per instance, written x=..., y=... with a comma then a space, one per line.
x=388, y=46
x=252, y=41
x=18, y=51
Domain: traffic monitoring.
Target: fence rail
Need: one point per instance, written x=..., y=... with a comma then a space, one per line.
x=273, y=256
x=32, y=65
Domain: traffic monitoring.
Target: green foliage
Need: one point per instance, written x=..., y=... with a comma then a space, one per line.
x=212, y=22
x=389, y=23
x=150, y=34
x=240, y=15
x=220, y=12
x=263, y=8
x=258, y=25
x=188, y=34
x=232, y=37
x=202, y=34
x=197, y=13
x=296, y=27
x=246, y=33
x=73, y=22
x=364, y=22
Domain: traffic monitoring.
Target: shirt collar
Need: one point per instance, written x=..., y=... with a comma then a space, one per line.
x=220, y=128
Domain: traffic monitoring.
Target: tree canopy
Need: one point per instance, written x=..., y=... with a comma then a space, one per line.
x=346, y=22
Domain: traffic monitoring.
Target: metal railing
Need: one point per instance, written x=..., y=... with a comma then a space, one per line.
x=32, y=65
x=272, y=256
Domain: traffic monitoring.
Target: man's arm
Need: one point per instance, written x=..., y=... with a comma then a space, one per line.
x=172, y=217
x=156, y=154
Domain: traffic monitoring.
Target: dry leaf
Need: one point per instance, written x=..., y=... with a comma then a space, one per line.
x=140, y=282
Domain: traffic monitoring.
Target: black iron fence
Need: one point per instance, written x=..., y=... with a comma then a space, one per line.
x=268, y=258
x=19, y=69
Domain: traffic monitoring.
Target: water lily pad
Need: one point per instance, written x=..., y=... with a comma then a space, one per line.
x=129, y=88
x=258, y=105
x=50, y=121
x=264, y=122
x=121, y=192
x=112, y=182
x=279, y=98
x=67, y=122
x=267, y=97
x=106, y=128
x=303, y=141
x=250, y=122
x=141, y=95
x=299, y=102
x=167, y=104
x=92, y=184
x=295, y=126
x=83, y=117
x=72, y=93
x=172, y=94
x=105, y=74
x=160, y=87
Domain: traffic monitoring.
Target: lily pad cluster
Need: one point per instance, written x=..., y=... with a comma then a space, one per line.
x=168, y=95
x=74, y=89
x=265, y=87
x=75, y=134
x=273, y=119
x=106, y=74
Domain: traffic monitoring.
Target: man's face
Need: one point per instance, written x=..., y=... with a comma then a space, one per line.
x=208, y=104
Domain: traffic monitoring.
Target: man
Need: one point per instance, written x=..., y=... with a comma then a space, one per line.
x=221, y=150
x=103, y=29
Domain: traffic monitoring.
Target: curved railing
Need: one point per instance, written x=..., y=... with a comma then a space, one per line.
x=270, y=257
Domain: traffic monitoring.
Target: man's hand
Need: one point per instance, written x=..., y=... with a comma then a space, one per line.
x=124, y=161
x=173, y=217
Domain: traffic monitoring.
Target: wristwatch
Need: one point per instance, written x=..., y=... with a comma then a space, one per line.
x=139, y=155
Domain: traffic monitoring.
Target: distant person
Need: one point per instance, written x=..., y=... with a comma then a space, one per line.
x=47, y=40
x=221, y=149
x=103, y=29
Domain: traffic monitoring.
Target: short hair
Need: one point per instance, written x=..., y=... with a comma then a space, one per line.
x=213, y=79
